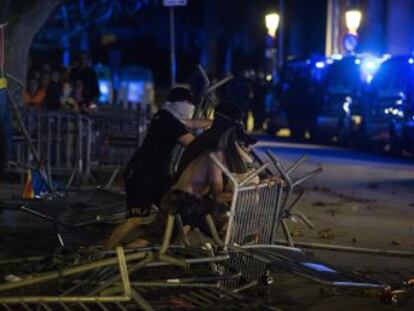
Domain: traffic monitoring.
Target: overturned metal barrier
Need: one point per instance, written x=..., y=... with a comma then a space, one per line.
x=257, y=211
x=100, y=285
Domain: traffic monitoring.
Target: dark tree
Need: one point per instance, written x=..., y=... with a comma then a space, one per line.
x=24, y=18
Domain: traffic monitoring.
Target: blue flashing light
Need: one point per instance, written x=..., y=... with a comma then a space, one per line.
x=320, y=65
x=370, y=65
x=136, y=91
x=357, y=61
x=104, y=89
x=411, y=61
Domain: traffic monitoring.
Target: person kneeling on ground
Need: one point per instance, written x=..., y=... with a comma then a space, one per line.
x=147, y=173
x=200, y=184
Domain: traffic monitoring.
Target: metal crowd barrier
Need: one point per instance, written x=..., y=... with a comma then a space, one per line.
x=62, y=141
x=115, y=283
x=70, y=144
x=117, y=134
x=256, y=212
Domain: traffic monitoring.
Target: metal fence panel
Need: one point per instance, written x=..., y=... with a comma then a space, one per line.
x=67, y=141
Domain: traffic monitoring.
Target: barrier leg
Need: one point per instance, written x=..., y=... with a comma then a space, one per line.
x=213, y=230
x=166, y=244
x=286, y=232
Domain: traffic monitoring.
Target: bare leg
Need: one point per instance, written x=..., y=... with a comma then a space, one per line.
x=121, y=232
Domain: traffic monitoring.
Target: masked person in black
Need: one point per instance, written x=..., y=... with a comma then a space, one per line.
x=146, y=176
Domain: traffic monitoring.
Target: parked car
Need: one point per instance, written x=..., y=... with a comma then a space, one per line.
x=389, y=109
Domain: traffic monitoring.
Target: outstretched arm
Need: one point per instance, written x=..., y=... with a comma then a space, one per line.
x=195, y=124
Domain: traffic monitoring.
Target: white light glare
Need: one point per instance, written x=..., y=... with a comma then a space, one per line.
x=357, y=61
x=370, y=64
x=346, y=105
x=336, y=56
x=411, y=61
x=353, y=20
x=272, y=23
x=320, y=65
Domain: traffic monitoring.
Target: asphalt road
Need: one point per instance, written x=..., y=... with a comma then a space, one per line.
x=363, y=200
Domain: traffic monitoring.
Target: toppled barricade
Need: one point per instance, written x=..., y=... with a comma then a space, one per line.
x=239, y=259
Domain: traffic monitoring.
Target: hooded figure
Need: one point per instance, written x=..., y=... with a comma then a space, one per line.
x=147, y=176
x=227, y=115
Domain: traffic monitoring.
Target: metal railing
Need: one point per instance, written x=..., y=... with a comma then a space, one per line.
x=62, y=141
x=257, y=211
x=117, y=134
x=71, y=144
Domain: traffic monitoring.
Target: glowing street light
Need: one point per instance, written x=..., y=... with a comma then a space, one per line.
x=272, y=23
x=353, y=20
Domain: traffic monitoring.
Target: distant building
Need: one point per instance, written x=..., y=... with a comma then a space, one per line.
x=387, y=26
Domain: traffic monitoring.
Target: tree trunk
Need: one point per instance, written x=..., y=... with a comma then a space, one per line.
x=20, y=32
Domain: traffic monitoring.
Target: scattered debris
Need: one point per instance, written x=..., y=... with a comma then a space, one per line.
x=326, y=234
x=297, y=233
x=354, y=240
x=332, y=212
x=396, y=242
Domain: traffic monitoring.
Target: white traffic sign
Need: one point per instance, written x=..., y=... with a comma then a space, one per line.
x=175, y=2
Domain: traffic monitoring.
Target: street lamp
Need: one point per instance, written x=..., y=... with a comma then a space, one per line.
x=353, y=20
x=272, y=23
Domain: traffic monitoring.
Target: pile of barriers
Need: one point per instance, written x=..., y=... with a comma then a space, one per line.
x=212, y=274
